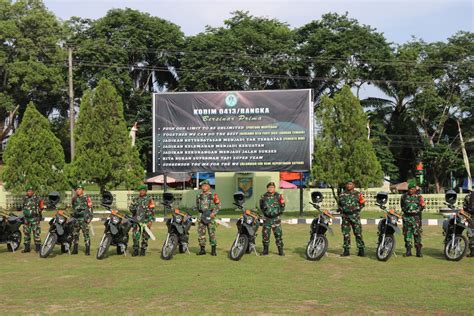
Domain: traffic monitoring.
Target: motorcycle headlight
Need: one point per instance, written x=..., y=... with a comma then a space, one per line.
x=249, y=220
x=393, y=219
x=61, y=220
x=178, y=219
x=115, y=220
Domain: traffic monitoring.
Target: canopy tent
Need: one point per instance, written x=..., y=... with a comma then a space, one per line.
x=287, y=185
x=170, y=178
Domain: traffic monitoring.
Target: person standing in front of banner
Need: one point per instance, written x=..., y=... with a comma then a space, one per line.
x=351, y=203
x=207, y=203
x=272, y=205
x=412, y=204
x=468, y=206
x=32, y=211
x=143, y=210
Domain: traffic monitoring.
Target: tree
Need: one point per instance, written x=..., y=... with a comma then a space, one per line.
x=31, y=61
x=342, y=148
x=104, y=154
x=34, y=156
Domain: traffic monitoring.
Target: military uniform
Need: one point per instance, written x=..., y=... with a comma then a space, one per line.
x=468, y=206
x=207, y=203
x=272, y=206
x=82, y=212
x=32, y=211
x=143, y=210
x=350, y=205
x=412, y=207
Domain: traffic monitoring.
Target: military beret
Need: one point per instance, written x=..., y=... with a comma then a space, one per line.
x=411, y=183
x=204, y=182
x=142, y=187
x=79, y=186
x=271, y=184
x=29, y=186
x=350, y=180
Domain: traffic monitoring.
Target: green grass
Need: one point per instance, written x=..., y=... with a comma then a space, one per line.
x=273, y=284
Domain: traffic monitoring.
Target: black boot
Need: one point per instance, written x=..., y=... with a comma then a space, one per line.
x=135, y=252
x=142, y=252
x=74, y=249
x=37, y=247
x=27, y=248
x=202, y=251
x=408, y=253
x=418, y=252
x=280, y=251
x=213, y=251
x=265, y=250
x=88, y=250
x=361, y=252
x=345, y=253
x=471, y=255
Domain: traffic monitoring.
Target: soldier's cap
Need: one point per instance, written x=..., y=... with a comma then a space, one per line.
x=271, y=184
x=411, y=184
x=142, y=187
x=28, y=187
x=79, y=186
x=204, y=182
x=349, y=181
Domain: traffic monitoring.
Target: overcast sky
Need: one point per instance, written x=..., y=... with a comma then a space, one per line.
x=431, y=20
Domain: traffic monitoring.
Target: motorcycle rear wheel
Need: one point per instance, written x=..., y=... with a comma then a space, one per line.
x=104, y=246
x=169, y=247
x=239, y=247
x=316, y=250
x=48, y=245
x=385, y=250
x=458, y=251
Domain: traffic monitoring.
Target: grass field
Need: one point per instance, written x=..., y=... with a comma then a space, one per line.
x=193, y=285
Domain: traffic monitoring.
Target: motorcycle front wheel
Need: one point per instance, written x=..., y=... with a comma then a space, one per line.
x=455, y=251
x=48, y=245
x=316, y=248
x=14, y=242
x=385, y=249
x=239, y=247
x=169, y=247
x=104, y=246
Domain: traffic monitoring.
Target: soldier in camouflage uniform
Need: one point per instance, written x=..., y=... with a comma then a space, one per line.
x=32, y=210
x=143, y=210
x=82, y=212
x=412, y=204
x=272, y=205
x=468, y=206
x=207, y=202
x=351, y=203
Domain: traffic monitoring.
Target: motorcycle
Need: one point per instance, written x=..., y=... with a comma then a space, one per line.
x=178, y=229
x=318, y=243
x=455, y=243
x=60, y=229
x=117, y=227
x=387, y=228
x=10, y=233
x=247, y=227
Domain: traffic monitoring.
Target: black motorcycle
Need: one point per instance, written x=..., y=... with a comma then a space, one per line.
x=117, y=227
x=178, y=229
x=10, y=233
x=60, y=230
x=247, y=227
x=318, y=243
x=455, y=243
x=387, y=228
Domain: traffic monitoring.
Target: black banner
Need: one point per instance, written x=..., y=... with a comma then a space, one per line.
x=268, y=130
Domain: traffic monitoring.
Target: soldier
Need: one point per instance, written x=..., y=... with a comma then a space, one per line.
x=351, y=203
x=82, y=212
x=208, y=204
x=143, y=210
x=412, y=204
x=468, y=206
x=272, y=205
x=32, y=210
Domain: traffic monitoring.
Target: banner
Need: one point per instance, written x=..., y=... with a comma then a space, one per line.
x=268, y=130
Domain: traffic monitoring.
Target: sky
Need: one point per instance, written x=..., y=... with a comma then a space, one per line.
x=430, y=20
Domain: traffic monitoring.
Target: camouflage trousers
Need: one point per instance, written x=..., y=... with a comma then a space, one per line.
x=79, y=225
x=352, y=221
x=138, y=234
x=211, y=229
x=274, y=224
x=412, y=230
x=32, y=226
x=470, y=235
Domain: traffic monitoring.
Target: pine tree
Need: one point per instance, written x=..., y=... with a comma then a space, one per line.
x=342, y=149
x=104, y=154
x=34, y=155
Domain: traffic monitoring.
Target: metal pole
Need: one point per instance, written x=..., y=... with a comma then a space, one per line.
x=164, y=191
x=71, y=103
x=301, y=194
